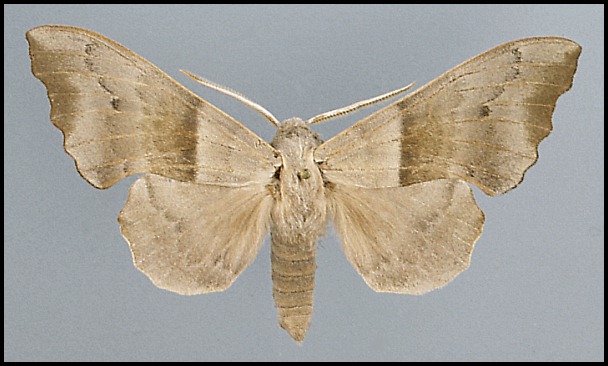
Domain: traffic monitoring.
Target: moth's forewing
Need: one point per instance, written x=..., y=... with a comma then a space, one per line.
x=480, y=122
x=121, y=115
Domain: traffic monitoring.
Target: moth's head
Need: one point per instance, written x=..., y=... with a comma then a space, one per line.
x=295, y=131
x=296, y=143
x=293, y=122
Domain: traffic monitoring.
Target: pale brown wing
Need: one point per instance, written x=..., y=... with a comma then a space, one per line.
x=121, y=115
x=194, y=238
x=481, y=122
x=407, y=239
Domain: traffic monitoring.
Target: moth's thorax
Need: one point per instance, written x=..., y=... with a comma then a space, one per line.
x=300, y=198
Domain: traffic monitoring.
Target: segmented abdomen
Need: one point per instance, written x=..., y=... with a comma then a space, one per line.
x=293, y=278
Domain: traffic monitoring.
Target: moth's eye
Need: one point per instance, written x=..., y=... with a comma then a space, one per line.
x=304, y=174
x=277, y=173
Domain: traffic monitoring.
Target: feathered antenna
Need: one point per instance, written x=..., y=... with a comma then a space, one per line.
x=364, y=103
x=241, y=98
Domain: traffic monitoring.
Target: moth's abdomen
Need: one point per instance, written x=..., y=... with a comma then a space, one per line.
x=293, y=278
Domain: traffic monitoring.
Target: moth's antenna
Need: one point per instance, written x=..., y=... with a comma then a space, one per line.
x=364, y=103
x=222, y=89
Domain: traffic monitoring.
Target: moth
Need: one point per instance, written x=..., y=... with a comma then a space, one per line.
x=394, y=185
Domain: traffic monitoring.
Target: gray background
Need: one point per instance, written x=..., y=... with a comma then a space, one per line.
x=535, y=290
